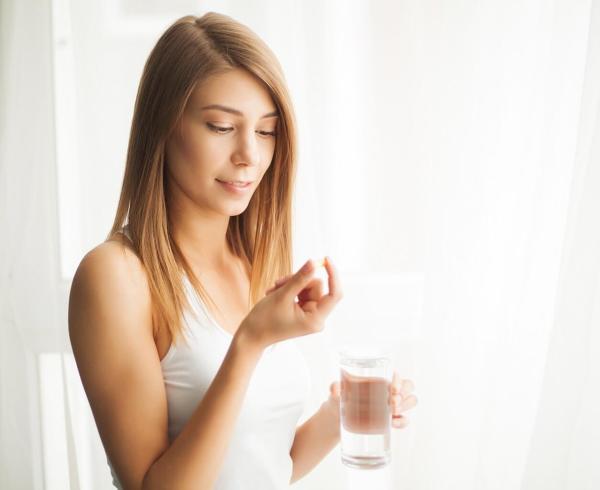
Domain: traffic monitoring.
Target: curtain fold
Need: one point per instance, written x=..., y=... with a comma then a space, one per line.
x=566, y=439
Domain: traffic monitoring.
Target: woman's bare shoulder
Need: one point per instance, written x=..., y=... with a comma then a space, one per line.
x=113, y=275
x=114, y=259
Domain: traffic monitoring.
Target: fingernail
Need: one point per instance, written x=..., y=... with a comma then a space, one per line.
x=307, y=267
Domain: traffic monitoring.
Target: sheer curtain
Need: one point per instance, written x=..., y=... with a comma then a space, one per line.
x=566, y=434
x=449, y=164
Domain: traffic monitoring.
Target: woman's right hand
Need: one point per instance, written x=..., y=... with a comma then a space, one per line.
x=278, y=316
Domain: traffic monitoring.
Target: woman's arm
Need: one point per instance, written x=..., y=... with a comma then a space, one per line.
x=206, y=435
x=315, y=439
x=111, y=335
x=320, y=434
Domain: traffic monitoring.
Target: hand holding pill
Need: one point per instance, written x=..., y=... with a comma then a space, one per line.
x=294, y=306
x=313, y=291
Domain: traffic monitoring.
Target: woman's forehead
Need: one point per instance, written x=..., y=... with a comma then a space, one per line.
x=235, y=91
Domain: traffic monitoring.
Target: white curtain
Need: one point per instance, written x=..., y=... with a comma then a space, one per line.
x=449, y=164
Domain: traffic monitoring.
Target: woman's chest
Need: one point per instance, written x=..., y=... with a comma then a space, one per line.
x=278, y=388
x=230, y=297
x=230, y=292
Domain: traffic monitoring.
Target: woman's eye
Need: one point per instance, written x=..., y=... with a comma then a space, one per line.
x=268, y=133
x=218, y=129
x=225, y=130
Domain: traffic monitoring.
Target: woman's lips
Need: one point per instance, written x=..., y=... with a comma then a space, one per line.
x=235, y=188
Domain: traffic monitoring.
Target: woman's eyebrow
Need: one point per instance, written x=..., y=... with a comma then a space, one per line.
x=235, y=111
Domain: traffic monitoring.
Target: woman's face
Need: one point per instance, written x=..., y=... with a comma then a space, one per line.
x=220, y=154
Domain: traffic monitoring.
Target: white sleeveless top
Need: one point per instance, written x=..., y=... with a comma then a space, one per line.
x=258, y=455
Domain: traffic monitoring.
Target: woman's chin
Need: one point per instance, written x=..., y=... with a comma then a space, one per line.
x=236, y=210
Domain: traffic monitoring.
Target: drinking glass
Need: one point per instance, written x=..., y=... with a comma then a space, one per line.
x=365, y=418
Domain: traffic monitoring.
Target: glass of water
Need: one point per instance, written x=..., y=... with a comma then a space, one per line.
x=365, y=417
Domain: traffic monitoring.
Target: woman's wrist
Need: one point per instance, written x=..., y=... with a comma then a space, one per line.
x=246, y=343
x=330, y=415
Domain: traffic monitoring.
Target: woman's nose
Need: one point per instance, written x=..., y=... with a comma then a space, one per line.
x=247, y=151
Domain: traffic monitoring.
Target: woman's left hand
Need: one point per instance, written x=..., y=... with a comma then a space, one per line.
x=400, y=400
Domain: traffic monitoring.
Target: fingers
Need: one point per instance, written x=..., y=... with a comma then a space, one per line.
x=399, y=422
x=328, y=301
x=401, y=400
x=308, y=306
x=309, y=290
x=299, y=280
x=399, y=404
x=278, y=283
x=312, y=292
x=403, y=387
x=335, y=288
x=282, y=280
x=400, y=393
x=334, y=389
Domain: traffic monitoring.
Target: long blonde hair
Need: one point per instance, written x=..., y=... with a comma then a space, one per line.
x=189, y=51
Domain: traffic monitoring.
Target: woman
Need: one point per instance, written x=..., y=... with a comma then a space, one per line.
x=171, y=320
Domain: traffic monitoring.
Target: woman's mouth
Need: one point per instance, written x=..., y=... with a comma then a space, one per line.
x=235, y=186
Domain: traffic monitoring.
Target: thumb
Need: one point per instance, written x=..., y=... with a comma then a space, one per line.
x=334, y=389
x=299, y=280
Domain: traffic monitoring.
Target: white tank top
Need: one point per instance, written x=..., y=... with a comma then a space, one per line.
x=258, y=455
